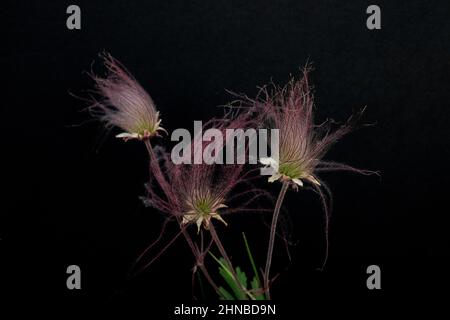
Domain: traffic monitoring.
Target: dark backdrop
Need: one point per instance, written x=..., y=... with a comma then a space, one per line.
x=72, y=197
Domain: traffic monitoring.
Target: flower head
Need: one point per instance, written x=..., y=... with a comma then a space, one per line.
x=203, y=206
x=302, y=144
x=124, y=103
x=198, y=193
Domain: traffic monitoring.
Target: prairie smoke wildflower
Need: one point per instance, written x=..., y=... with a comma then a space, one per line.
x=203, y=206
x=191, y=194
x=195, y=194
x=124, y=103
x=302, y=145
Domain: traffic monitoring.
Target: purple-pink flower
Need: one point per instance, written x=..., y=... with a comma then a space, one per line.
x=302, y=143
x=198, y=193
x=302, y=146
x=123, y=103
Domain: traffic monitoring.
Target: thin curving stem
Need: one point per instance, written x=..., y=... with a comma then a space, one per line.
x=273, y=229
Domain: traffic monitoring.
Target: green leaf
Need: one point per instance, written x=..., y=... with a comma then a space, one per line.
x=256, y=282
x=251, y=257
x=256, y=286
x=224, y=294
x=232, y=283
x=241, y=277
x=225, y=272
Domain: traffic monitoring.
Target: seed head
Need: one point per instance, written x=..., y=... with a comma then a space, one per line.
x=197, y=193
x=124, y=103
x=302, y=144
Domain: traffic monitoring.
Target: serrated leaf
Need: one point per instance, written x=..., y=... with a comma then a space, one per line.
x=256, y=286
x=225, y=272
x=224, y=294
x=242, y=277
x=232, y=283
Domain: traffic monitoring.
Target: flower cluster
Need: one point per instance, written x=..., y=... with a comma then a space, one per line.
x=200, y=194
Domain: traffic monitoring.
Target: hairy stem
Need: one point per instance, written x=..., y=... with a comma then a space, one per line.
x=156, y=169
x=273, y=229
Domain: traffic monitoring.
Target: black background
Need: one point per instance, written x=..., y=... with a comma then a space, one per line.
x=72, y=196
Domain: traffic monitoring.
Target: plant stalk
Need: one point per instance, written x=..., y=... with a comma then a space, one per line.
x=166, y=187
x=273, y=229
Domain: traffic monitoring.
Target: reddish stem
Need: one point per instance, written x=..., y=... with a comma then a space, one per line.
x=273, y=229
